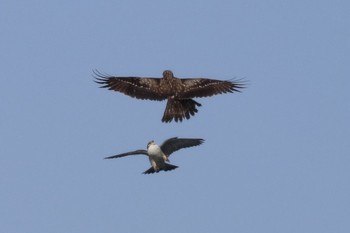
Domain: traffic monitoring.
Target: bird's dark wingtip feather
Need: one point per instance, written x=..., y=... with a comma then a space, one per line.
x=100, y=77
x=100, y=80
x=200, y=141
x=112, y=157
x=166, y=120
x=97, y=73
x=237, y=84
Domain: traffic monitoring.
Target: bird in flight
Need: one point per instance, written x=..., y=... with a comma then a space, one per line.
x=158, y=155
x=179, y=93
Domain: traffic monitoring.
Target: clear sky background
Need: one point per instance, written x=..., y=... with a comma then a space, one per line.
x=276, y=156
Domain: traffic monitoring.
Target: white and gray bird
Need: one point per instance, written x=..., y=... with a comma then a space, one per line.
x=158, y=155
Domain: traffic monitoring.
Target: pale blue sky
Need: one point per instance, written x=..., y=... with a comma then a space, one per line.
x=276, y=156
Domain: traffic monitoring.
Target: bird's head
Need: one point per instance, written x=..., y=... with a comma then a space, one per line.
x=168, y=74
x=150, y=143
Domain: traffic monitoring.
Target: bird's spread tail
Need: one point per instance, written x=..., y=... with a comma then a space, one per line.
x=179, y=109
x=167, y=167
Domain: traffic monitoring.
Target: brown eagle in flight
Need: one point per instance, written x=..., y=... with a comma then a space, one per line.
x=178, y=92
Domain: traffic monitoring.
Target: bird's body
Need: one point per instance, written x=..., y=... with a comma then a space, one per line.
x=158, y=155
x=177, y=92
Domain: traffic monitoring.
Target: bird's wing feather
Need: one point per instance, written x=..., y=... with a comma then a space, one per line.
x=173, y=144
x=202, y=87
x=136, y=152
x=137, y=87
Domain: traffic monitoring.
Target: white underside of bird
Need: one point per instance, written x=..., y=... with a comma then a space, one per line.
x=156, y=156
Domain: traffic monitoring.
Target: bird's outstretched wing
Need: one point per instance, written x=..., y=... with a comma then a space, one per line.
x=136, y=152
x=173, y=144
x=137, y=87
x=202, y=87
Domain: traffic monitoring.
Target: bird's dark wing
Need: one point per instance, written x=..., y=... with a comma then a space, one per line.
x=137, y=87
x=202, y=87
x=173, y=144
x=136, y=152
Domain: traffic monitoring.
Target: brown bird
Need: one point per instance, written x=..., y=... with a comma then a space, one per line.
x=178, y=92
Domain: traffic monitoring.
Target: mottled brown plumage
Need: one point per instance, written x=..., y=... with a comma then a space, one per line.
x=178, y=92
